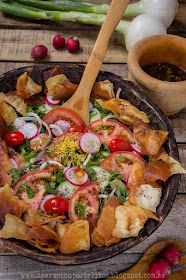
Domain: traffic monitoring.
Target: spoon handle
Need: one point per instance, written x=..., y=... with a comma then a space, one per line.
x=93, y=66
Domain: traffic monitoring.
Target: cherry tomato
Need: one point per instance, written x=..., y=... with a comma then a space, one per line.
x=76, y=128
x=56, y=205
x=116, y=145
x=14, y=138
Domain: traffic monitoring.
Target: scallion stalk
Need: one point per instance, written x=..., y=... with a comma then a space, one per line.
x=165, y=10
x=142, y=26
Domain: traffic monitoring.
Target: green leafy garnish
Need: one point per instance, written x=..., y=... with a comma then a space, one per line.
x=121, y=190
x=115, y=175
x=121, y=159
x=11, y=127
x=30, y=192
x=15, y=175
x=39, y=109
x=91, y=174
x=51, y=188
x=80, y=210
x=49, y=154
x=60, y=177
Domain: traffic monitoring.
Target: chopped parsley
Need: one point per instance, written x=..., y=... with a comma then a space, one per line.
x=115, y=175
x=30, y=192
x=121, y=159
x=51, y=188
x=15, y=175
x=50, y=154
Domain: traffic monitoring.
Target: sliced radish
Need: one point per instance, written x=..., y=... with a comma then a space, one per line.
x=90, y=143
x=14, y=163
x=64, y=125
x=39, y=142
x=136, y=150
x=118, y=93
x=52, y=102
x=38, y=119
x=29, y=130
x=45, y=198
x=76, y=176
x=18, y=123
x=56, y=130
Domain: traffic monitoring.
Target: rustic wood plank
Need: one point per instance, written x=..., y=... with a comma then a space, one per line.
x=16, y=45
x=178, y=26
x=15, y=267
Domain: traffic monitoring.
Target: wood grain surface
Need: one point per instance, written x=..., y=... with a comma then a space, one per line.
x=17, y=37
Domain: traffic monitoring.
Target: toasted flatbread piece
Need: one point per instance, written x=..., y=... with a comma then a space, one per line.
x=103, y=90
x=148, y=197
x=52, y=82
x=76, y=238
x=8, y=113
x=15, y=228
x=61, y=228
x=16, y=102
x=130, y=219
x=123, y=110
x=26, y=87
x=174, y=166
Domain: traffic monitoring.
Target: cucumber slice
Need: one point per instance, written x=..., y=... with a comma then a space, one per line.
x=66, y=189
x=102, y=176
x=94, y=118
x=121, y=190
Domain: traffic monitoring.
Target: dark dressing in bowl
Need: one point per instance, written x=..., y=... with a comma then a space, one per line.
x=165, y=71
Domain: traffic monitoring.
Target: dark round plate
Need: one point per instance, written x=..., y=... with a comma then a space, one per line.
x=158, y=120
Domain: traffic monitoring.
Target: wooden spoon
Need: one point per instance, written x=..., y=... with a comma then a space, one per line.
x=79, y=102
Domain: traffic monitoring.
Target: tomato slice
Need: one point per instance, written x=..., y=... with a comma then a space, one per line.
x=14, y=138
x=110, y=129
x=122, y=161
x=119, y=145
x=56, y=205
x=63, y=114
x=84, y=203
x=32, y=184
x=76, y=128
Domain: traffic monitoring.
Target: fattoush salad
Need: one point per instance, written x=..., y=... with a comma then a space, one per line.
x=66, y=186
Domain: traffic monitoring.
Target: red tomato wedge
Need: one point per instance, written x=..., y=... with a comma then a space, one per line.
x=14, y=138
x=122, y=161
x=110, y=129
x=116, y=145
x=84, y=203
x=33, y=182
x=76, y=128
x=56, y=205
x=63, y=114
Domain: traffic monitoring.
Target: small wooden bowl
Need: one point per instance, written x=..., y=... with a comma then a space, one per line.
x=170, y=96
x=158, y=120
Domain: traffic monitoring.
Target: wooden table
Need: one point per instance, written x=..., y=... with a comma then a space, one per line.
x=17, y=38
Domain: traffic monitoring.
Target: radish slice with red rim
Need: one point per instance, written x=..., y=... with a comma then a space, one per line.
x=14, y=163
x=56, y=130
x=29, y=130
x=39, y=142
x=64, y=125
x=128, y=182
x=45, y=198
x=136, y=150
x=90, y=143
x=52, y=102
x=76, y=176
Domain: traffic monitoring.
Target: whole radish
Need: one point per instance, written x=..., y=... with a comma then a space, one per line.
x=72, y=44
x=171, y=255
x=159, y=269
x=58, y=41
x=39, y=52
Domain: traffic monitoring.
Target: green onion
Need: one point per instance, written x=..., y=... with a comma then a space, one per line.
x=142, y=26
